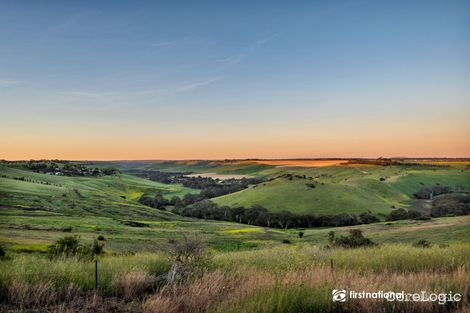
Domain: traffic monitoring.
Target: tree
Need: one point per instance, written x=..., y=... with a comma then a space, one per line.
x=368, y=218
x=398, y=214
x=159, y=202
x=238, y=213
x=354, y=240
x=66, y=246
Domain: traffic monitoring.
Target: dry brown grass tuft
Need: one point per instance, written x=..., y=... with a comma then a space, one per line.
x=133, y=284
x=38, y=295
x=201, y=295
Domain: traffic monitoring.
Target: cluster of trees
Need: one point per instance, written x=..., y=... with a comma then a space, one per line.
x=428, y=192
x=159, y=202
x=451, y=205
x=403, y=214
x=70, y=246
x=353, y=240
x=158, y=176
x=66, y=168
x=61, y=167
x=210, y=188
x=199, y=206
x=380, y=161
x=260, y=216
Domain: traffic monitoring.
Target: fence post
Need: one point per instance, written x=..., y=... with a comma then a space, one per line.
x=96, y=274
x=331, y=265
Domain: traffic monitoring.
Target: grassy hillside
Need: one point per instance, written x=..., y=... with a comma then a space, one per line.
x=250, y=168
x=42, y=208
x=251, y=269
x=347, y=189
x=33, y=230
x=113, y=195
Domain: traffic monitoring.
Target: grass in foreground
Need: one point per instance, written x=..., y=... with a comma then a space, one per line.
x=283, y=279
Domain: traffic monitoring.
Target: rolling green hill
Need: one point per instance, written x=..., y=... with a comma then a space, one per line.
x=347, y=189
x=250, y=168
x=36, y=209
x=112, y=195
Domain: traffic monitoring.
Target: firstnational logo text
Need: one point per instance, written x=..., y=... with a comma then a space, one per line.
x=341, y=295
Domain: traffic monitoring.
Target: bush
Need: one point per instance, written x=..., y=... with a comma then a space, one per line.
x=413, y=214
x=368, y=218
x=70, y=246
x=451, y=205
x=398, y=214
x=428, y=193
x=403, y=214
x=97, y=248
x=2, y=251
x=191, y=259
x=286, y=241
x=301, y=234
x=354, y=240
x=66, y=246
x=101, y=238
x=422, y=243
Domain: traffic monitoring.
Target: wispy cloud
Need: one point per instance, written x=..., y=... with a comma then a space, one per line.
x=232, y=60
x=72, y=21
x=4, y=83
x=181, y=88
x=164, y=43
x=88, y=94
x=193, y=86
x=88, y=99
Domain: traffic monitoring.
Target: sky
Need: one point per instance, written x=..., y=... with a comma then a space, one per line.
x=104, y=80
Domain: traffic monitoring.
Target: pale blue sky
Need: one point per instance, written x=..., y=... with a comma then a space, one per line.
x=234, y=79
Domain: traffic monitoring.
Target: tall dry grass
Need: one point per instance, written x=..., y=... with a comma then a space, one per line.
x=300, y=279
x=285, y=279
x=35, y=282
x=306, y=290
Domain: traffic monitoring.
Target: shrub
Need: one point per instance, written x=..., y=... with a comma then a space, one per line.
x=451, y=205
x=97, y=248
x=301, y=234
x=413, y=214
x=286, y=241
x=428, y=193
x=368, y=218
x=398, y=214
x=2, y=251
x=403, y=214
x=422, y=243
x=101, y=238
x=191, y=259
x=70, y=246
x=354, y=240
x=66, y=246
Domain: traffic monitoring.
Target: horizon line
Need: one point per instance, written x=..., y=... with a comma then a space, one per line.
x=246, y=159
